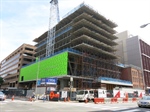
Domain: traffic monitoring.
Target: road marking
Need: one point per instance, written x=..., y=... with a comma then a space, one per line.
x=9, y=110
x=16, y=110
x=3, y=102
x=134, y=110
x=102, y=107
x=32, y=109
x=106, y=107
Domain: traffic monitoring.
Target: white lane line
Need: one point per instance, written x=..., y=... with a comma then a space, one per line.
x=32, y=109
x=134, y=110
x=15, y=110
x=101, y=107
x=9, y=110
x=3, y=102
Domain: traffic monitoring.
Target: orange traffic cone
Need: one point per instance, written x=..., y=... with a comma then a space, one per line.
x=64, y=99
x=30, y=99
x=86, y=101
x=68, y=99
x=12, y=98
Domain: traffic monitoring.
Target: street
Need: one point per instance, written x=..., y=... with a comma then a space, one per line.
x=39, y=106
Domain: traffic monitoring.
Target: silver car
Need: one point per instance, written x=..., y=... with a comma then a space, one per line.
x=2, y=96
x=144, y=101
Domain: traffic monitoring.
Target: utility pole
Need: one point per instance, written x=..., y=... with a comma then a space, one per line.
x=37, y=74
x=71, y=86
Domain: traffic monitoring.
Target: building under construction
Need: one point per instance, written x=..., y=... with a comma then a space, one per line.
x=89, y=39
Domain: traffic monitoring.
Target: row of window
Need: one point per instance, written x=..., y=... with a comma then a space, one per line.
x=9, y=65
x=11, y=78
x=29, y=49
x=145, y=48
x=146, y=62
x=147, y=77
x=138, y=86
x=9, y=69
x=12, y=72
x=135, y=80
x=11, y=59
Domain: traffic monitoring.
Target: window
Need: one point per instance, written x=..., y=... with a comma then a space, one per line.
x=86, y=92
x=91, y=92
x=29, y=49
x=22, y=78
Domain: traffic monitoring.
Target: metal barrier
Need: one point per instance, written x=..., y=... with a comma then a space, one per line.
x=119, y=100
x=107, y=100
x=99, y=100
x=114, y=100
x=125, y=100
x=134, y=99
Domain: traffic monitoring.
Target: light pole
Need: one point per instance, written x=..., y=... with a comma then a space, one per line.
x=71, y=86
x=37, y=74
x=144, y=25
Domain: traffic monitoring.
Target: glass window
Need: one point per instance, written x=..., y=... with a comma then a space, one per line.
x=86, y=92
x=146, y=98
x=80, y=92
x=91, y=92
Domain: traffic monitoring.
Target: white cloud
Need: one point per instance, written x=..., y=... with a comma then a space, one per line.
x=28, y=24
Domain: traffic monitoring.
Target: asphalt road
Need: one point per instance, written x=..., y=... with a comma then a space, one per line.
x=39, y=106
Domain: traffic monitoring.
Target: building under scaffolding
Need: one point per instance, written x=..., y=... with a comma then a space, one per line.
x=89, y=39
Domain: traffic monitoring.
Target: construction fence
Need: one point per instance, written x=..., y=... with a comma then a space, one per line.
x=114, y=100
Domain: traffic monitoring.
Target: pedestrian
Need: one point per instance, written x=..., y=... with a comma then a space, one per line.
x=33, y=97
x=47, y=97
x=95, y=94
x=44, y=97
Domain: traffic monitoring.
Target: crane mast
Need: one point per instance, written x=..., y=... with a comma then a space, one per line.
x=53, y=20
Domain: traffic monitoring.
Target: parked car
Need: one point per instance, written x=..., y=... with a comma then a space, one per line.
x=144, y=101
x=2, y=96
x=83, y=95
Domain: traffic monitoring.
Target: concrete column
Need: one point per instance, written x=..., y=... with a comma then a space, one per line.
x=61, y=84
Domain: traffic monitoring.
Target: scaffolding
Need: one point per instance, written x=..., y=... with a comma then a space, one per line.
x=89, y=40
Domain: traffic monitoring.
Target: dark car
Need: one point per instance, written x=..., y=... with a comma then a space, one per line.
x=2, y=96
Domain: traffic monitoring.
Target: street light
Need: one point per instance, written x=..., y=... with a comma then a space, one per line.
x=37, y=74
x=71, y=86
x=144, y=25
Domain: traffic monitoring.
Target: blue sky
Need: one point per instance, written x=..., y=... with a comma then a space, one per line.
x=23, y=20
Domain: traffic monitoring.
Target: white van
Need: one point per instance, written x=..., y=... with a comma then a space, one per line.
x=83, y=95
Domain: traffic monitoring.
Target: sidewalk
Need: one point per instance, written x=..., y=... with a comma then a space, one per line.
x=27, y=99
x=19, y=98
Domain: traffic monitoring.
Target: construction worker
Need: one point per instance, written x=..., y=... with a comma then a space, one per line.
x=95, y=94
x=33, y=97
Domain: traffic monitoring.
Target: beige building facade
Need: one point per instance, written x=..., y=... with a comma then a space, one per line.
x=11, y=65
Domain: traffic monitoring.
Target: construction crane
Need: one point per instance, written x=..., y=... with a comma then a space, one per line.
x=53, y=20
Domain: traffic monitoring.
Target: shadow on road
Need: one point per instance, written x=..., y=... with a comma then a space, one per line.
x=137, y=109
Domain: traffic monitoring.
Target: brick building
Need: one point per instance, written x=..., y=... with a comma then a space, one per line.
x=133, y=74
x=145, y=55
x=133, y=50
